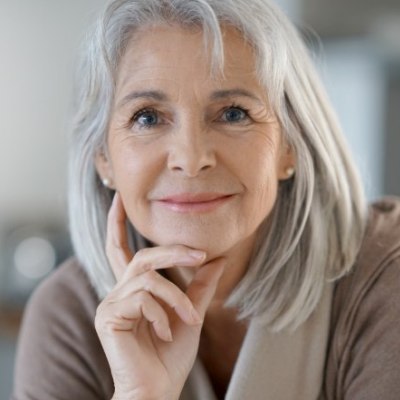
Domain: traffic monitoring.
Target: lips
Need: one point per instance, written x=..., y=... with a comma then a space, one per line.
x=194, y=197
x=194, y=202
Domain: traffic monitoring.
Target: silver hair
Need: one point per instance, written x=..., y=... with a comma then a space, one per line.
x=315, y=229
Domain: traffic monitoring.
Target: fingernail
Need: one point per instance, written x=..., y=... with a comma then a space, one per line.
x=198, y=255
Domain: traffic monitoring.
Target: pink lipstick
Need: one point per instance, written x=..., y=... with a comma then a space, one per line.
x=194, y=202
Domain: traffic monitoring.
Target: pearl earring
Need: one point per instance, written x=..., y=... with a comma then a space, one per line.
x=289, y=172
x=106, y=182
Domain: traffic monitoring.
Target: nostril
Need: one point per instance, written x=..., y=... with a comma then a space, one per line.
x=191, y=162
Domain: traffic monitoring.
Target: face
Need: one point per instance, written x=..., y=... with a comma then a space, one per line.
x=196, y=158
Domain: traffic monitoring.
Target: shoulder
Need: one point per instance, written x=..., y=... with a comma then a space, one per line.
x=59, y=354
x=62, y=310
x=382, y=235
x=364, y=346
x=67, y=288
x=379, y=255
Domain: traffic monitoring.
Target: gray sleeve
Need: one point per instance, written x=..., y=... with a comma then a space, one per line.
x=59, y=356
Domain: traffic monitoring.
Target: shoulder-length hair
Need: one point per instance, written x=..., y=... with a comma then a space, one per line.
x=316, y=226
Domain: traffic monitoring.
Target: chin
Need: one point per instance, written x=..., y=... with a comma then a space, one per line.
x=212, y=245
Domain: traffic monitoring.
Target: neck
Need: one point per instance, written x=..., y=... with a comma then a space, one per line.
x=238, y=260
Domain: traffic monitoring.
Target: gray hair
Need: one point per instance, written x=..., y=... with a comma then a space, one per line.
x=315, y=229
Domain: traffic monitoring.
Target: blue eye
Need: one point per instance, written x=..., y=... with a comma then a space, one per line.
x=234, y=114
x=146, y=118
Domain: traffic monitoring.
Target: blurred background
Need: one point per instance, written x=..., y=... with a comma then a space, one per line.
x=357, y=50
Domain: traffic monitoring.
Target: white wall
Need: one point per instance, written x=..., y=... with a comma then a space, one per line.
x=38, y=47
x=355, y=80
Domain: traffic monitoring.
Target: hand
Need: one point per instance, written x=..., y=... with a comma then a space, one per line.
x=148, y=327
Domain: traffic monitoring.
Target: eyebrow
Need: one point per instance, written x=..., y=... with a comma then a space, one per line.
x=222, y=94
x=160, y=96
x=143, y=94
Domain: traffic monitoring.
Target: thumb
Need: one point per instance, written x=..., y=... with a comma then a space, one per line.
x=204, y=285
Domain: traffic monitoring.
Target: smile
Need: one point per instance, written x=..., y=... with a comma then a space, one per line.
x=195, y=203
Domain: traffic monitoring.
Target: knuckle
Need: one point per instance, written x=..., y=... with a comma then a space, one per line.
x=101, y=320
x=141, y=297
x=142, y=261
x=142, y=254
x=100, y=309
x=146, y=266
x=105, y=326
x=149, y=280
x=98, y=324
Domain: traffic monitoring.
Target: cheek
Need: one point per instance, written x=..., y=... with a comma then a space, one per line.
x=135, y=172
x=258, y=164
x=263, y=191
x=259, y=173
x=133, y=166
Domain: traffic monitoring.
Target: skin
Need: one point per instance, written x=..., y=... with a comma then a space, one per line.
x=192, y=134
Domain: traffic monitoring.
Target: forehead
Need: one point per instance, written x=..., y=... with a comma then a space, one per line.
x=172, y=52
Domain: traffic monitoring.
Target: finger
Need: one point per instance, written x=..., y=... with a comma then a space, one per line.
x=163, y=257
x=125, y=314
x=204, y=285
x=117, y=247
x=163, y=289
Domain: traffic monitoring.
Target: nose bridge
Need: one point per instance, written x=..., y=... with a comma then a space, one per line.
x=191, y=150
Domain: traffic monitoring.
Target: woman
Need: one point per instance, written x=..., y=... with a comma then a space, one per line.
x=225, y=249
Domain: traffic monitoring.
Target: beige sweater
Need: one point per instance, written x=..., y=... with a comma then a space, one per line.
x=60, y=357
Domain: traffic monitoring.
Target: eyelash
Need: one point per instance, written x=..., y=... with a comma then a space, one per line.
x=138, y=114
x=238, y=107
x=143, y=111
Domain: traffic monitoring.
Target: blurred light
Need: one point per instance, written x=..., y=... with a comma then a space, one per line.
x=34, y=257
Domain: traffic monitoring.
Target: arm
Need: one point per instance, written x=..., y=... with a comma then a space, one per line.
x=371, y=359
x=59, y=356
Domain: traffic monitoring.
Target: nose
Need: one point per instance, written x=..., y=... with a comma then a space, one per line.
x=191, y=150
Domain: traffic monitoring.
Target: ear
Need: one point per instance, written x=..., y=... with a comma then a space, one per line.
x=104, y=169
x=287, y=162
